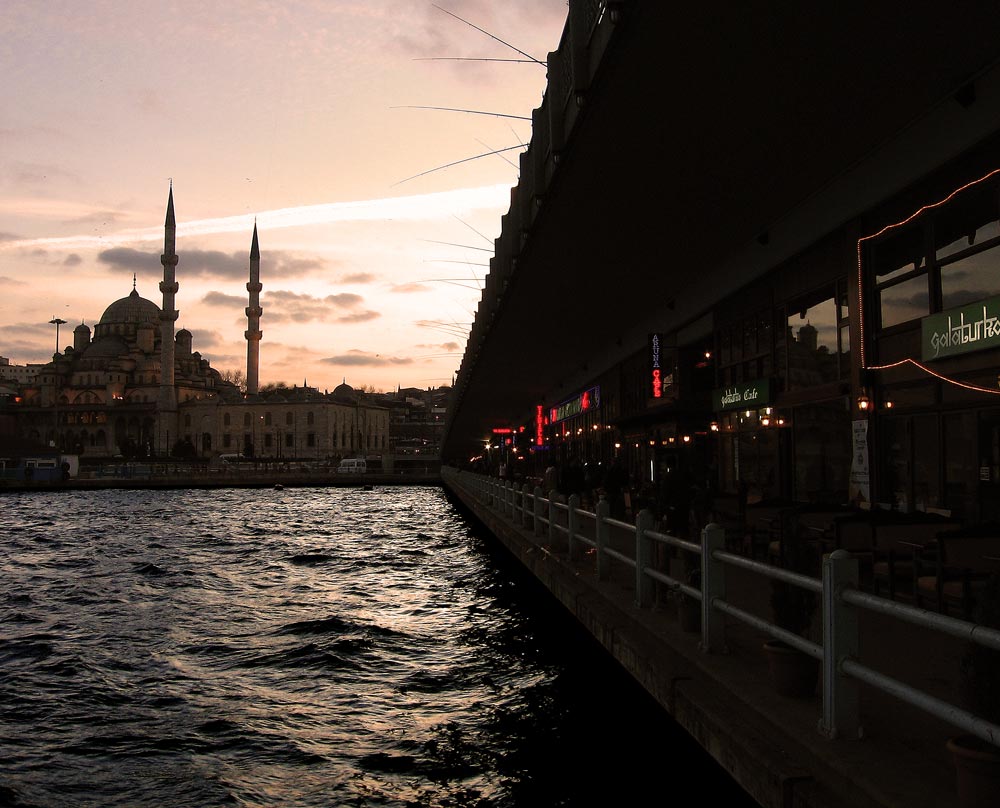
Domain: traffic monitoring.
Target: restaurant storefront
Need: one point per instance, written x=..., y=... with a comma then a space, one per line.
x=933, y=356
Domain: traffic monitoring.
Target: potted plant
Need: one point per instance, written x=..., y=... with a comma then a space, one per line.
x=977, y=763
x=793, y=672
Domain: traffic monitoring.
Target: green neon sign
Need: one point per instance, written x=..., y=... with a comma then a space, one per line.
x=963, y=330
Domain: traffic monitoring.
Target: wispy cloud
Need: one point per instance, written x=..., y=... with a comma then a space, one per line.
x=210, y=263
x=285, y=306
x=420, y=207
x=356, y=358
x=222, y=299
x=409, y=288
x=357, y=277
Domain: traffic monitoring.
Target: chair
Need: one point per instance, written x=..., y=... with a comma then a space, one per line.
x=958, y=567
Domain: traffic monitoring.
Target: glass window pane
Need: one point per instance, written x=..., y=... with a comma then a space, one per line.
x=900, y=252
x=905, y=301
x=971, y=279
x=981, y=234
x=822, y=452
x=926, y=463
x=812, y=345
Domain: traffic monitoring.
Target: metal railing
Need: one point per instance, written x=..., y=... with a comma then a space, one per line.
x=842, y=601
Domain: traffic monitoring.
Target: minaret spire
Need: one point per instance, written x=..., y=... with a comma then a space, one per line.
x=168, y=316
x=253, y=333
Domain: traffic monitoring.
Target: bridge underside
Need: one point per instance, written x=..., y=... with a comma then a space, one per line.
x=710, y=144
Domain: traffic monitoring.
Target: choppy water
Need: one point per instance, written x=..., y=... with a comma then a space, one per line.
x=306, y=647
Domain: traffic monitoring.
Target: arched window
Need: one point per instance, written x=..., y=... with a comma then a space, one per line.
x=289, y=419
x=246, y=419
x=309, y=419
x=225, y=419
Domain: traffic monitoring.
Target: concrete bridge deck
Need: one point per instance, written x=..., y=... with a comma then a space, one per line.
x=769, y=743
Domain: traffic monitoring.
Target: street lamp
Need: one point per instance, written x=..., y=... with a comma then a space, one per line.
x=57, y=322
x=56, y=443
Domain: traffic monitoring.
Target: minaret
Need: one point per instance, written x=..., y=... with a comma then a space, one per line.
x=253, y=332
x=168, y=315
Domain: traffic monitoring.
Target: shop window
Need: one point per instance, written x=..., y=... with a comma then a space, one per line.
x=906, y=300
x=815, y=354
x=910, y=476
x=926, y=462
x=947, y=258
x=961, y=477
x=896, y=454
x=822, y=452
x=971, y=277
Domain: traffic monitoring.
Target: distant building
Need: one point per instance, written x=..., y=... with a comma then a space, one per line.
x=132, y=387
x=18, y=374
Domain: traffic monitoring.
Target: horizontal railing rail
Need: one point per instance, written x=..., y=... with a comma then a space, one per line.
x=841, y=598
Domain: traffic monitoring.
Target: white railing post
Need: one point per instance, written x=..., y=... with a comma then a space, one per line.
x=572, y=523
x=601, y=534
x=841, y=701
x=713, y=585
x=524, y=506
x=508, y=498
x=537, y=512
x=552, y=517
x=643, y=556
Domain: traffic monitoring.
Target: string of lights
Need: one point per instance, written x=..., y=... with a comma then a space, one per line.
x=886, y=229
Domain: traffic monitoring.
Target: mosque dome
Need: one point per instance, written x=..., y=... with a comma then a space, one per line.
x=344, y=391
x=132, y=310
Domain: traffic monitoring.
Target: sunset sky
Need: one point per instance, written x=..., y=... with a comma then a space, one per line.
x=289, y=112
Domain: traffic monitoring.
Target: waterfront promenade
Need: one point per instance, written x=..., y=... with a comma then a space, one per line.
x=771, y=744
x=168, y=475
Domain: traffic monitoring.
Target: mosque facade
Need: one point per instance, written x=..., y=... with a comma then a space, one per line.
x=133, y=387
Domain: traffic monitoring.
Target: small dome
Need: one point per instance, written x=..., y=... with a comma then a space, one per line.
x=183, y=334
x=83, y=328
x=131, y=309
x=344, y=391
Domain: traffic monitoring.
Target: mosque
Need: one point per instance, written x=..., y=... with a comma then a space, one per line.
x=135, y=388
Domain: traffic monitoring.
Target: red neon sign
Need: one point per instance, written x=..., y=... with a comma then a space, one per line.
x=657, y=384
x=539, y=425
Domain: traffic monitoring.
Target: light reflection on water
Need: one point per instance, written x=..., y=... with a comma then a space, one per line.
x=300, y=647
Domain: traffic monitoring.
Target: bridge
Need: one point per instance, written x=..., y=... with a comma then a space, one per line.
x=682, y=150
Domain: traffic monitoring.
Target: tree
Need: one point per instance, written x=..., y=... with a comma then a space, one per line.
x=237, y=377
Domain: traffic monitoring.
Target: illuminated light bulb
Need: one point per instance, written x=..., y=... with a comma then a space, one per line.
x=714, y=426
x=686, y=439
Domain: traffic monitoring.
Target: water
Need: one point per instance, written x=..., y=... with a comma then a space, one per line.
x=306, y=647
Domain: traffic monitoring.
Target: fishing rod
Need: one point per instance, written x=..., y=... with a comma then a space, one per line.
x=482, y=31
x=457, y=162
x=470, y=111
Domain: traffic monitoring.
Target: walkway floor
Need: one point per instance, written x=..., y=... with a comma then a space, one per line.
x=900, y=761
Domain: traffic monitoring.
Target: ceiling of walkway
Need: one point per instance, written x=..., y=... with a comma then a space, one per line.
x=704, y=126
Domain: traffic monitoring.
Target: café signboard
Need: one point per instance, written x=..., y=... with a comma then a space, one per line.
x=963, y=330
x=747, y=396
